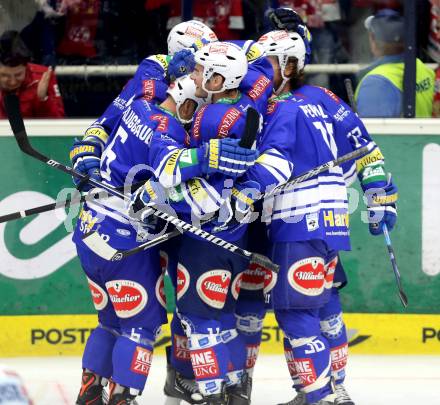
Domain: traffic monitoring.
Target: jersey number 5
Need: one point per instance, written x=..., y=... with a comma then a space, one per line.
x=108, y=156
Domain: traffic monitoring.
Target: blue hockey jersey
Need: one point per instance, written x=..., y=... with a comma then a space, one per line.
x=127, y=159
x=298, y=136
x=149, y=83
x=349, y=131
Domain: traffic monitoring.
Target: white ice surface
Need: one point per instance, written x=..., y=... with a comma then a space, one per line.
x=372, y=380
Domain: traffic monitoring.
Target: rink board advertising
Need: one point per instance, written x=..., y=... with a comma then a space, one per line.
x=40, y=274
x=52, y=335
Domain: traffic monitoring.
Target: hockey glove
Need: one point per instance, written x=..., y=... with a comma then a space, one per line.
x=381, y=207
x=151, y=193
x=86, y=158
x=288, y=19
x=238, y=210
x=181, y=64
x=225, y=156
x=243, y=197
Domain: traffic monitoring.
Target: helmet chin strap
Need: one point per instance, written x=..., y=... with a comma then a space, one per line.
x=279, y=89
x=282, y=64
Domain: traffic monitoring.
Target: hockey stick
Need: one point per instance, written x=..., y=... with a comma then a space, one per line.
x=58, y=204
x=12, y=107
x=110, y=253
x=103, y=249
x=350, y=94
x=43, y=208
x=402, y=295
x=317, y=170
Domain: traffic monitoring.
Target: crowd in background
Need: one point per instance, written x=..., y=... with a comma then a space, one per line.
x=77, y=32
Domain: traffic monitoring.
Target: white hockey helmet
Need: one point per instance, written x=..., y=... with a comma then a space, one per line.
x=223, y=58
x=183, y=89
x=284, y=45
x=183, y=35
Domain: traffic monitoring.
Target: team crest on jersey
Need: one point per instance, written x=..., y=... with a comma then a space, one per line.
x=163, y=121
x=149, y=90
x=307, y=276
x=99, y=296
x=141, y=361
x=236, y=286
x=228, y=120
x=259, y=87
x=182, y=281
x=160, y=291
x=213, y=287
x=198, y=123
x=128, y=297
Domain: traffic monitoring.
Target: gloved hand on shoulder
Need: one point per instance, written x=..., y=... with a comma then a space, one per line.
x=182, y=63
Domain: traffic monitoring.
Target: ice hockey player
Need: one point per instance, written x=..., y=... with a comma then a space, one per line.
x=153, y=76
x=257, y=85
x=207, y=275
x=349, y=134
x=124, y=293
x=297, y=134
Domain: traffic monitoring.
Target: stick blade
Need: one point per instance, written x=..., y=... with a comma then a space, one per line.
x=403, y=299
x=12, y=107
x=98, y=246
x=265, y=262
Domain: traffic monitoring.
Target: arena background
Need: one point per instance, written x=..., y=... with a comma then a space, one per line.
x=46, y=307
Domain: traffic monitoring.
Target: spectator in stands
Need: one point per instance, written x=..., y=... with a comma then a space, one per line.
x=224, y=17
x=379, y=92
x=35, y=85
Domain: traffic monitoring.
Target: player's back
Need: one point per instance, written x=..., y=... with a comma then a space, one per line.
x=128, y=146
x=317, y=208
x=349, y=132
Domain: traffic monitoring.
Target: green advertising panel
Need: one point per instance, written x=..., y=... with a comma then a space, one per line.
x=40, y=274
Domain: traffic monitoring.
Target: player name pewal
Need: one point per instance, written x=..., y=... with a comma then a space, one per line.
x=47, y=335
